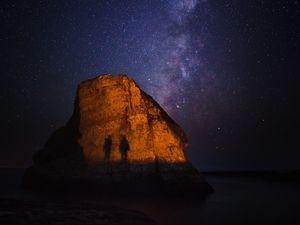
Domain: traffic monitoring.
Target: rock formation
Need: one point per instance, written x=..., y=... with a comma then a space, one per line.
x=117, y=133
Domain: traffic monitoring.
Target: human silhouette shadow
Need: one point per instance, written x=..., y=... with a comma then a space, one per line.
x=107, y=147
x=124, y=148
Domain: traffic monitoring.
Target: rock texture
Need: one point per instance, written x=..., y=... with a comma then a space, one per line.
x=114, y=108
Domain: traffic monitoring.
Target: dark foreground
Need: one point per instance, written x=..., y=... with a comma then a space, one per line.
x=65, y=213
x=238, y=199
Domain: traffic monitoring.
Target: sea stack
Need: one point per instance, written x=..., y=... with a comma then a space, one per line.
x=118, y=139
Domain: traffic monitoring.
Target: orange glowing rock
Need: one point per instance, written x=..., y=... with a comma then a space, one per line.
x=116, y=106
x=117, y=135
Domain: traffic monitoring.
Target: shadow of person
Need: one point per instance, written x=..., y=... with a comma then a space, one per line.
x=124, y=148
x=107, y=147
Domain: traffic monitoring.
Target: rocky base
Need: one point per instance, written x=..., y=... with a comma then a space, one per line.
x=177, y=180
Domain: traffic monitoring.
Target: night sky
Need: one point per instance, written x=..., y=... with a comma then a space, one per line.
x=224, y=70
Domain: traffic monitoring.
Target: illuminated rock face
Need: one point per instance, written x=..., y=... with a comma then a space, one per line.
x=118, y=140
x=116, y=106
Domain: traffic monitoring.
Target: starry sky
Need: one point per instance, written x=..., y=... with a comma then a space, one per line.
x=224, y=70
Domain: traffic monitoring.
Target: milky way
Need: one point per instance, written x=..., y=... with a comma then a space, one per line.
x=177, y=59
x=181, y=78
x=219, y=68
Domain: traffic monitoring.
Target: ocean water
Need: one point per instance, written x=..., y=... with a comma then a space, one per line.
x=236, y=200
